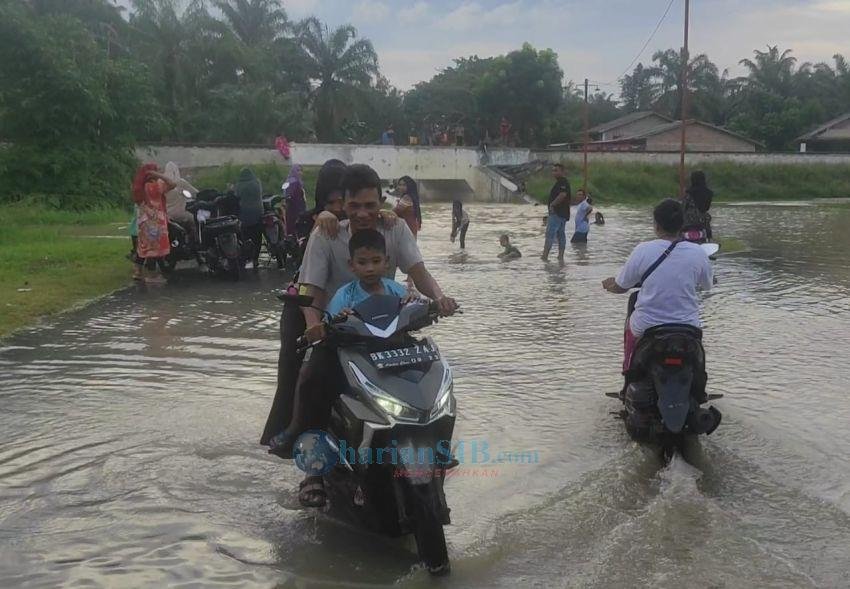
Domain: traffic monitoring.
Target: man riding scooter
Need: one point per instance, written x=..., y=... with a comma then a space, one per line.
x=325, y=268
x=670, y=272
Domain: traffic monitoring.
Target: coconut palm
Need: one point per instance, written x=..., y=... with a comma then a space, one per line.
x=339, y=64
x=167, y=41
x=771, y=71
x=254, y=22
x=705, y=85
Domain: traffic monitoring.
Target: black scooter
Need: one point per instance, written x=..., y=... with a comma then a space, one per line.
x=219, y=241
x=397, y=402
x=665, y=389
x=665, y=392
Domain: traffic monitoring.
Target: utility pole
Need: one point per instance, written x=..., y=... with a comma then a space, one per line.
x=586, y=136
x=684, y=90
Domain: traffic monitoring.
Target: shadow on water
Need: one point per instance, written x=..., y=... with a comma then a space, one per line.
x=130, y=455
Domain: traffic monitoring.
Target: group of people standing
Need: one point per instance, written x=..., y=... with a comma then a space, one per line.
x=162, y=197
x=560, y=202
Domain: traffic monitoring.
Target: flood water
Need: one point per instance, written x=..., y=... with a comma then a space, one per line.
x=129, y=430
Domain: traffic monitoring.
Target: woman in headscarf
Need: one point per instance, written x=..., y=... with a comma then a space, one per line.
x=295, y=202
x=407, y=206
x=149, y=188
x=696, y=204
x=329, y=195
x=249, y=192
x=175, y=199
x=329, y=198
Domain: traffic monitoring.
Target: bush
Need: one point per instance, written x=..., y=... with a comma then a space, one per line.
x=68, y=111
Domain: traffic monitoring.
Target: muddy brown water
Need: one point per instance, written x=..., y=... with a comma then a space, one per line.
x=128, y=429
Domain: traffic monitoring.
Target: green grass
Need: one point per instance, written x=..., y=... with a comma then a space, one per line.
x=271, y=177
x=52, y=260
x=639, y=183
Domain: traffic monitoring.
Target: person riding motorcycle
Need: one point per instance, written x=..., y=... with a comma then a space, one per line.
x=324, y=270
x=328, y=195
x=669, y=272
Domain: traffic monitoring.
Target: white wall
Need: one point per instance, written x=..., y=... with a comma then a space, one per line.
x=691, y=158
x=425, y=163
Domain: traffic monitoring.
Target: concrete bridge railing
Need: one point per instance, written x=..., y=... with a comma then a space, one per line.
x=421, y=163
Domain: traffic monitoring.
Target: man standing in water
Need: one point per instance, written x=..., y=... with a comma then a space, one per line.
x=559, y=213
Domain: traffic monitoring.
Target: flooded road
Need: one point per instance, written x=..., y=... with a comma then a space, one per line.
x=129, y=454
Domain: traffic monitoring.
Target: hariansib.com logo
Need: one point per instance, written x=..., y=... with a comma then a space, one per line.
x=316, y=452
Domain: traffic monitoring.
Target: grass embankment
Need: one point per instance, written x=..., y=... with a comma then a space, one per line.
x=52, y=260
x=639, y=183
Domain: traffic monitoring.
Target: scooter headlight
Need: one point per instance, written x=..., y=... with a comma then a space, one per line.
x=386, y=402
x=445, y=404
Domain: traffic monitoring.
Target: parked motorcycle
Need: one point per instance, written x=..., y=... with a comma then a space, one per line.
x=397, y=399
x=218, y=243
x=184, y=246
x=274, y=231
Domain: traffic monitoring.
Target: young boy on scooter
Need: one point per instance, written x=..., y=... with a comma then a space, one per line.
x=369, y=263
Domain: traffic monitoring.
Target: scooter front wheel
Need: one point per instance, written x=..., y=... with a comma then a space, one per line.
x=429, y=533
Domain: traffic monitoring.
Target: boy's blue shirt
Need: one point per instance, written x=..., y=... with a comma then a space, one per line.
x=350, y=295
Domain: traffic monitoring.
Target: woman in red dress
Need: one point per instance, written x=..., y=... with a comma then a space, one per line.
x=149, y=188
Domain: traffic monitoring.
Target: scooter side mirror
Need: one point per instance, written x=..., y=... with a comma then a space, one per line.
x=710, y=248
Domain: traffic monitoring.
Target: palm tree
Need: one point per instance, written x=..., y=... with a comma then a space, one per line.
x=339, y=63
x=254, y=22
x=771, y=71
x=705, y=88
x=842, y=77
x=164, y=38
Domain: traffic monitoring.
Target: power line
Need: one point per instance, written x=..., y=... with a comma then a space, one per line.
x=648, y=41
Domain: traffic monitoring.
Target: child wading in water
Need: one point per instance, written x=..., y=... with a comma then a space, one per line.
x=510, y=252
x=369, y=263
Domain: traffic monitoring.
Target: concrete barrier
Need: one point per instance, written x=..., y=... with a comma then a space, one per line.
x=667, y=158
x=427, y=163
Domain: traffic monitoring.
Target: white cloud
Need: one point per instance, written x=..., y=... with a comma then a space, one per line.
x=369, y=11
x=472, y=16
x=842, y=6
x=297, y=9
x=417, y=13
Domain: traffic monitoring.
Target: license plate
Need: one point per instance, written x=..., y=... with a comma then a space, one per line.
x=416, y=354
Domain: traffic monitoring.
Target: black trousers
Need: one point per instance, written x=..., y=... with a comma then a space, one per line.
x=463, y=230
x=255, y=234
x=318, y=384
x=289, y=362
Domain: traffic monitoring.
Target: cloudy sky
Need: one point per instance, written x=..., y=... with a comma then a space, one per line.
x=595, y=39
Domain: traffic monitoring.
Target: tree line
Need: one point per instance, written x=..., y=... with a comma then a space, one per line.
x=776, y=101
x=81, y=81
